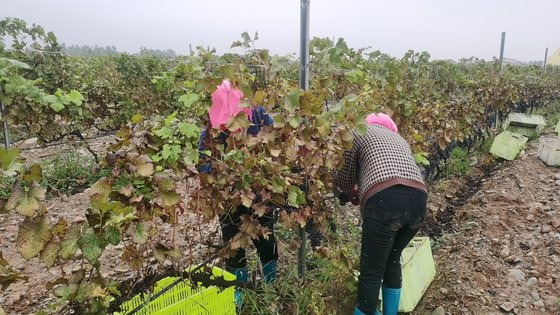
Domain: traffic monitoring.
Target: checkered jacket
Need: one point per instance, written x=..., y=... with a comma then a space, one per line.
x=376, y=157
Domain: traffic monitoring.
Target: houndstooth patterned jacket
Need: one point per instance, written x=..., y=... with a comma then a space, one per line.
x=379, y=159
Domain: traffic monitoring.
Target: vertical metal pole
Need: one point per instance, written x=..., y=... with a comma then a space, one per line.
x=304, y=46
x=545, y=58
x=303, y=84
x=496, y=122
x=502, y=50
x=5, y=128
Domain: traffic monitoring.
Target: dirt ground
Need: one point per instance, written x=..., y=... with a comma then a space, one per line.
x=497, y=250
x=502, y=253
x=28, y=297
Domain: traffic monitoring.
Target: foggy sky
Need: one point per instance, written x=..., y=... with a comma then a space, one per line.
x=445, y=28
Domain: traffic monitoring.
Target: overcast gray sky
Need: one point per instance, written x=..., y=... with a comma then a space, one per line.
x=445, y=28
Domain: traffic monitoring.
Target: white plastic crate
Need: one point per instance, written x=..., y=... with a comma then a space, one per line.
x=549, y=151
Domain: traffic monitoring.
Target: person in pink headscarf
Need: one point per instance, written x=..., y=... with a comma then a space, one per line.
x=226, y=103
x=382, y=120
x=392, y=197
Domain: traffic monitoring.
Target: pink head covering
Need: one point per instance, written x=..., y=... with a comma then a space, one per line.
x=226, y=104
x=382, y=120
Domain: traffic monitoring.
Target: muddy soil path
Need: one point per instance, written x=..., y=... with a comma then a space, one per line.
x=502, y=253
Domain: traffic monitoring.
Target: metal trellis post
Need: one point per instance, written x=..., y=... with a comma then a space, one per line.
x=502, y=50
x=304, y=84
x=545, y=58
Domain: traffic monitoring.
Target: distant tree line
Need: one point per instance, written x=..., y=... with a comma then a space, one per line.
x=96, y=50
x=86, y=50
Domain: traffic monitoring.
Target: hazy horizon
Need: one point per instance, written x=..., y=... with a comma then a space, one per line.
x=445, y=29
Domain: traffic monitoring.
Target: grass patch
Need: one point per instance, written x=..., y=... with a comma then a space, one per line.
x=458, y=163
x=330, y=288
x=330, y=282
x=16, y=134
x=69, y=172
x=6, y=187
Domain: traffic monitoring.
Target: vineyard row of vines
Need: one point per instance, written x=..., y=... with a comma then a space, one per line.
x=159, y=107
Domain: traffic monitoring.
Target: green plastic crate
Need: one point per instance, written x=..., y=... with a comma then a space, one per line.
x=508, y=145
x=183, y=299
x=418, y=271
x=534, y=124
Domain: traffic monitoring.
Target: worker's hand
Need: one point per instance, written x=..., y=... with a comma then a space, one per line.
x=355, y=196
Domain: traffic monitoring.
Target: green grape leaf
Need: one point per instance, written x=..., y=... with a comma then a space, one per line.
x=188, y=100
x=32, y=236
x=50, y=252
x=354, y=75
x=51, y=37
x=10, y=162
x=295, y=196
x=169, y=198
x=56, y=106
x=192, y=156
x=54, y=102
x=91, y=245
x=170, y=118
x=140, y=234
x=145, y=166
x=189, y=130
x=75, y=97
x=100, y=192
x=294, y=122
x=112, y=235
x=291, y=102
x=347, y=139
x=258, y=98
x=279, y=121
x=170, y=152
x=84, y=291
x=124, y=215
x=165, y=132
x=65, y=291
x=33, y=174
x=14, y=63
x=361, y=127
x=418, y=137
x=26, y=203
x=241, y=121
x=324, y=127
x=277, y=185
x=421, y=158
x=164, y=182
x=69, y=244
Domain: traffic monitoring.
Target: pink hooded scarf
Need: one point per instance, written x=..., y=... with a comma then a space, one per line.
x=226, y=104
x=382, y=120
